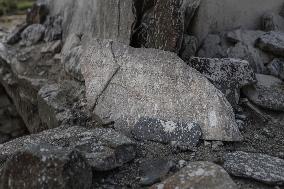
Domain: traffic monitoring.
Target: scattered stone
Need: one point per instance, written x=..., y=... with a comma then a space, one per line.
x=276, y=68
x=228, y=75
x=272, y=42
x=104, y=149
x=261, y=167
x=182, y=135
x=122, y=85
x=189, y=47
x=37, y=14
x=199, y=175
x=272, y=22
x=154, y=171
x=33, y=34
x=267, y=93
x=46, y=166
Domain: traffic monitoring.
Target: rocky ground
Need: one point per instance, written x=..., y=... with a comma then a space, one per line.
x=131, y=100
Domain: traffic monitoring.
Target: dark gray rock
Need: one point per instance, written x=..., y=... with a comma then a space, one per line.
x=46, y=166
x=33, y=34
x=124, y=84
x=182, y=135
x=199, y=175
x=153, y=171
x=212, y=47
x=228, y=75
x=267, y=93
x=188, y=48
x=37, y=14
x=276, y=68
x=272, y=22
x=272, y=42
x=15, y=36
x=261, y=167
x=104, y=149
x=53, y=27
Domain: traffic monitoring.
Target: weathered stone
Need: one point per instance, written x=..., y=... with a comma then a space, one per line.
x=33, y=34
x=124, y=84
x=15, y=36
x=199, y=175
x=37, y=14
x=228, y=75
x=104, y=149
x=52, y=48
x=272, y=42
x=267, y=93
x=261, y=167
x=46, y=166
x=182, y=135
x=188, y=48
x=154, y=171
x=53, y=27
x=276, y=68
x=272, y=22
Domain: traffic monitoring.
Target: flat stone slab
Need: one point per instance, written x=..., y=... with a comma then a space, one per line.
x=261, y=167
x=181, y=135
x=199, y=175
x=124, y=84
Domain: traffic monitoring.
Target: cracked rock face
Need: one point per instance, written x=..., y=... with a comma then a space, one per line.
x=124, y=84
x=261, y=167
x=45, y=166
x=228, y=75
x=199, y=175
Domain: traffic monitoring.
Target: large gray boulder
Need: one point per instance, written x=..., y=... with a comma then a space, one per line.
x=261, y=167
x=199, y=175
x=124, y=84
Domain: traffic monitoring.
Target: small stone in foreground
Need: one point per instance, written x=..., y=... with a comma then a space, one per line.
x=198, y=175
x=183, y=135
x=261, y=167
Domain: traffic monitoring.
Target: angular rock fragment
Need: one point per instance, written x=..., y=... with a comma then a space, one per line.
x=228, y=75
x=124, y=84
x=15, y=36
x=33, y=34
x=199, y=175
x=272, y=42
x=261, y=167
x=182, y=135
x=46, y=166
x=104, y=149
x=267, y=93
x=276, y=68
x=272, y=22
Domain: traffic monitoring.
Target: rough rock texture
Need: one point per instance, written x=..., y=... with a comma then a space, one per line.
x=189, y=47
x=228, y=75
x=181, y=135
x=272, y=22
x=104, y=149
x=124, y=84
x=46, y=166
x=15, y=36
x=272, y=42
x=267, y=93
x=224, y=15
x=276, y=68
x=33, y=34
x=199, y=175
x=260, y=167
x=53, y=27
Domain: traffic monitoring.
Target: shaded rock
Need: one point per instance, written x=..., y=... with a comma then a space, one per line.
x=228, y=75
x=37, y=14
x=46, y=166
x=267, y=92
x=272, y=42
x=53, y=27
x=182, y=135
x=261, y=167
x=52, y=48
x=276, y=68
x=212, y=47
x=124, y=84
x=57, y=104
x=188, y=48
x=104, y=149
x=199, y=175
x=33, y=34
x=15, y=36
x=272, y=22
x=154, y=171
